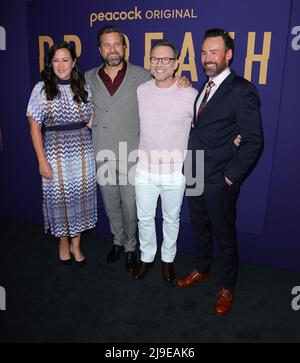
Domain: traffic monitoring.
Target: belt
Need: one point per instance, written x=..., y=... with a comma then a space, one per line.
x=66, y=127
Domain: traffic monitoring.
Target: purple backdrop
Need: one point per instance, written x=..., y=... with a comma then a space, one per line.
x=267, y=224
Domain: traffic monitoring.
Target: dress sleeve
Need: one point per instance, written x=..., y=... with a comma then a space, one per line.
x=36, y=105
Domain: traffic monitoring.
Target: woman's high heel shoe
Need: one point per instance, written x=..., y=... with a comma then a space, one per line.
x=65, y=262
x=78, y=263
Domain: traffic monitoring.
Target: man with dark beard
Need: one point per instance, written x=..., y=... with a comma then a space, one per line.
x=115, y=135
x=227, y=105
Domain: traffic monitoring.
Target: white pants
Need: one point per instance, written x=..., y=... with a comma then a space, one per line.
x=148, y=187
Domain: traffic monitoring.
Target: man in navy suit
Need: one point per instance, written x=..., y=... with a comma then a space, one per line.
x=227, y=105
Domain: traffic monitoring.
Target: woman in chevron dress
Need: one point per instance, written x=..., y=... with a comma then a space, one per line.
x=62, y=104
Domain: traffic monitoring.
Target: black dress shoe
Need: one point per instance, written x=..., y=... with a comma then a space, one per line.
x=114, y=254
x=80, y=263
x=130, y=261
x=65, y=262
x=168, y=271
x=141, y=270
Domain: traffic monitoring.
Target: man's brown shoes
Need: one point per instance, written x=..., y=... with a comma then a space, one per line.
x=224, y=301
x=168, y=271
x=224, y=297
x=192, y=278
x=141, y=270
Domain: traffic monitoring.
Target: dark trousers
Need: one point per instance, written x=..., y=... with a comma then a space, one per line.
x=214, y=214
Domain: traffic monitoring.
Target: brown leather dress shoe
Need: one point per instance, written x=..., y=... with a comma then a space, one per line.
x=224, y=301
x=168, y=271
x=141, y=270
x=192, y=278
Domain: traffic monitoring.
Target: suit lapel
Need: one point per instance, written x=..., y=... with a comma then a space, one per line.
x=215, y=99
x=127, y=81
x=195, y=103
x=98, y=83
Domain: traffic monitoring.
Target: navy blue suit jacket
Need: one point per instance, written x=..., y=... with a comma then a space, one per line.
x=233, y=109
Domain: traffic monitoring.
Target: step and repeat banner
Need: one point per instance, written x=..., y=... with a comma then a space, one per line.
x=256, y=30
x=264, y=38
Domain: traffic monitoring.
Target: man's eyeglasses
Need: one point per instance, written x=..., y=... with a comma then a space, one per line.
x=164, y=60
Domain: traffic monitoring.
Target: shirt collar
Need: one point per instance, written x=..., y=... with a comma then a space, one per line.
x=120, y=73
x=220, y=77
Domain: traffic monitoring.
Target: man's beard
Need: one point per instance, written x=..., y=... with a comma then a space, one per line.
x=214, y=72
x=114, y=62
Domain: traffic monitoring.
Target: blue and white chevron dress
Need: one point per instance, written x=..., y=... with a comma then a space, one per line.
x=69, y=198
